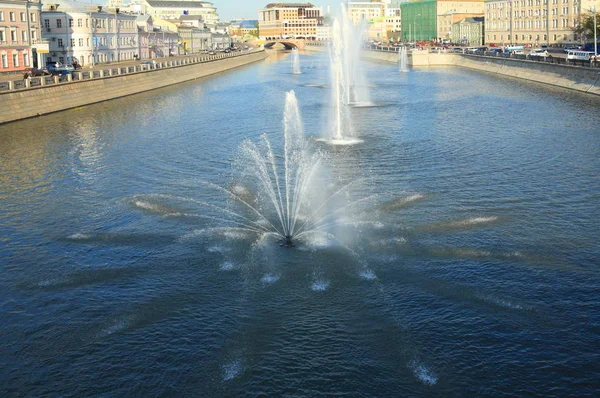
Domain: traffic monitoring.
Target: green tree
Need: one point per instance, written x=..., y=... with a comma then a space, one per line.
x=585, y=25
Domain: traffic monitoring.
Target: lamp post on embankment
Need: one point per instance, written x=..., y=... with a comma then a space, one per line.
x=595, y=35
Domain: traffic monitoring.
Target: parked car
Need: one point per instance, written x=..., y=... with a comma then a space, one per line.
x=572, y=48
x=539, y=53
x=34, y=72
x=57, y=69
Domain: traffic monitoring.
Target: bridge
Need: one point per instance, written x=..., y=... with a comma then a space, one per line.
x=287, y=43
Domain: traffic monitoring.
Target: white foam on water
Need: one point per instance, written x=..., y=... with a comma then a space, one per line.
x=80, y=236
x=232, y=370
x=422, y=373
x=239, y=190
x=365, y=104
x=146, y=205
x=317, y=241
x=117, y=326
x=367, y=274
x=476, y=221
x=269, y=279
x=502, y=302
x=344, y=142
x=235, y=235
x=320, y=286
x=50, y=282
x=218, y=249
x=413, y=198
x=227, y=266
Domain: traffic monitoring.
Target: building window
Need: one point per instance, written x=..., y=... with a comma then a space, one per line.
x=4, y=61
x=12, y=16
x=23, y=17
x=32, y=17
x=80, y=42
x=72, y=42
x=15, y=59
x=61, y=60
x=59, y=23
x=47, y=23
x=60, y=43
x=2, y=35
x=1, y=16
x=13, y=35
x=25, y=59
x=70, y=22
x=24, y=36
x=80, y=23
x=33, y=35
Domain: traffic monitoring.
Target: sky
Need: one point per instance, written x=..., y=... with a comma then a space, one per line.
x=232, y=9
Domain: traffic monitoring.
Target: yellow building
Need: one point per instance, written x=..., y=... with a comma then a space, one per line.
x=534, y=22
x=283, y=20
x=360, y=12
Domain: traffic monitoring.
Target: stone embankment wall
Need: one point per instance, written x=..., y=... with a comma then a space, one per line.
x=566, y=76
x=21, y=104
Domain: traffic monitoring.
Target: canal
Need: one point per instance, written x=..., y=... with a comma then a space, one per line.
x=463, y=260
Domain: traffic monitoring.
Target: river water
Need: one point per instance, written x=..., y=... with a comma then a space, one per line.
x=477, y=273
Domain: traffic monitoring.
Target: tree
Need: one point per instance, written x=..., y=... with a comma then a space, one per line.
x=255, y=32
x=585, y=25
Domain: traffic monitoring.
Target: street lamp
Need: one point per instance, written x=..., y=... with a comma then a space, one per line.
x=595, y=35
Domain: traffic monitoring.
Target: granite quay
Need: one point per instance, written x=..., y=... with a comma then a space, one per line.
x=37, y=96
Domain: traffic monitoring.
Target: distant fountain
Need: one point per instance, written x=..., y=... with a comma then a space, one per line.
x=296, y=62
x=348, y=85
x=403, y=59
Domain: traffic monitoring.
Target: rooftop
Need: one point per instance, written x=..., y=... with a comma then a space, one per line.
x=289, y=5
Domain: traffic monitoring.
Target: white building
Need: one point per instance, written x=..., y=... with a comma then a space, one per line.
x=173, y=9
x=88, y=35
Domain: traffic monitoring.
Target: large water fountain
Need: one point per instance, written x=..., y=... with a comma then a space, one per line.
x=288, y=197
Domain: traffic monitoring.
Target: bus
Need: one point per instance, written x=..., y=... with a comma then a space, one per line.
x=578, y=55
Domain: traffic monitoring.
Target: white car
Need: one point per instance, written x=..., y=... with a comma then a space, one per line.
x=539, y=53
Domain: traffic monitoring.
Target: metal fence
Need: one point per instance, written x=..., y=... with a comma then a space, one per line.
x=144, y=67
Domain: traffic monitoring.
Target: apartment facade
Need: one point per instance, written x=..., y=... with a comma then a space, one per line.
x=156, y=38
x=19, y=33
x=365, y=12
x=426, y=20
x=281, y=20
x=88, y=35
x=534, y=22
x=173, y=9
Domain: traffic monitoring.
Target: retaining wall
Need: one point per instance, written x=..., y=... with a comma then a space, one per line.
x=21, y=104
x=577, y=78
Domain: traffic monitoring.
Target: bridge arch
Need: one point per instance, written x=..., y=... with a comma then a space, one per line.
x=289, y=44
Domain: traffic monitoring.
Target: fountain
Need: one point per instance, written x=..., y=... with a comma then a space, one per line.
x=348, y=85
x=286, y=197
x=296, y=62
x=403, y=59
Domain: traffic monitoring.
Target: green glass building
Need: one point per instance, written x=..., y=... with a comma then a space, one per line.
x=419, y=20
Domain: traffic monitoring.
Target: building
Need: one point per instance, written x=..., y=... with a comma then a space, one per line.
x=283, y=20
x=157, y=38
x=365, y=12
x=468, y=32
x=20, y=34
x=173, y=9
x=243, y=27
x=426, y=20
x=534, y=22
x=88, y=35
